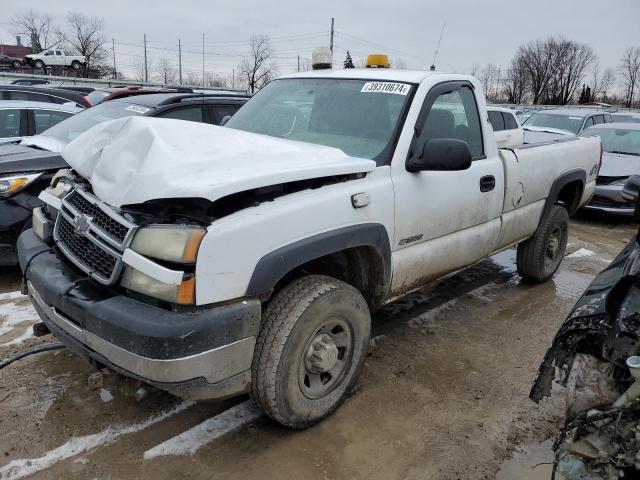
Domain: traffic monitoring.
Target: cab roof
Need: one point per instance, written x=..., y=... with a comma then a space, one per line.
x=388, y=74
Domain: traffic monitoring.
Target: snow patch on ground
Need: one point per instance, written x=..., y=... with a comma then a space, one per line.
x=24, y=467
x=12, y=296
x=15, y=313
x=581, y=253
x=187, y=443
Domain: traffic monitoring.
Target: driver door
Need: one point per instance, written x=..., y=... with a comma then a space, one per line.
x=446, y=220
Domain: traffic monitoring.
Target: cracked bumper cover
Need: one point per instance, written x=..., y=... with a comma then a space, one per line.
x=205, y=353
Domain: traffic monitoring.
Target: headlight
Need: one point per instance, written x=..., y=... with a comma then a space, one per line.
x=173, y=244
x=14, y=183
x=184, y=294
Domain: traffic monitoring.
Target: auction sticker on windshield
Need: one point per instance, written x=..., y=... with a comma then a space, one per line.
x=386, y=87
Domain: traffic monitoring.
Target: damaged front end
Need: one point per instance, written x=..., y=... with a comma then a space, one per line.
x=595, y=355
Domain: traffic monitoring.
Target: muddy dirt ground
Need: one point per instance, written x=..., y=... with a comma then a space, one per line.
x=444, y=394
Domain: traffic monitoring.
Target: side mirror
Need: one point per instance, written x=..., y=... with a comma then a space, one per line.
x=441, y=154
x=224, y=120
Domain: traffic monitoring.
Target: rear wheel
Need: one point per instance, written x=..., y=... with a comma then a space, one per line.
x=75, y=65
x=310, y=350
x=16, y=64
x=38, y=64
x=539, y=257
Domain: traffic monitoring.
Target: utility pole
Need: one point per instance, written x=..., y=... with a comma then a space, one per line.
x=233, y=79
x=113, y=49
x=203, y=60
x=180, y=61
x=498, y=82
x=331, y=41
x=146, y=69
x=298, y=62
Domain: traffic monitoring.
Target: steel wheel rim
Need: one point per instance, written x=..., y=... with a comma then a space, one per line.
x=552, y=249
x=319, y=376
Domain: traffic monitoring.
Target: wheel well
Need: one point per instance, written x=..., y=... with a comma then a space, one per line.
x=570, y=195
x=362, y=267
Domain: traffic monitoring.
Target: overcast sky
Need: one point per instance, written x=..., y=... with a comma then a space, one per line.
x=477, y=31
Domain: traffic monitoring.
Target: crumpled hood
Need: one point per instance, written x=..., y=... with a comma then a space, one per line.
x=619, y=165
x=135, y=159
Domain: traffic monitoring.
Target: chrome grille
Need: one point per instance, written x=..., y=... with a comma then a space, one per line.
x=92, y=235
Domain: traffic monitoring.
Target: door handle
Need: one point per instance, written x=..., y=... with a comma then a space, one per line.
x=487, y=183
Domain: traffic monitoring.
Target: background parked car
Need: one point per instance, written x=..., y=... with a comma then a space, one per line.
x=29, y=81
x=626, y=117
x=620, y=160
x=20, y=119
x=7, y=61
x=507, y=129
x=103, y=94
x=552, y=124
x=42, y=94
x=35, y=160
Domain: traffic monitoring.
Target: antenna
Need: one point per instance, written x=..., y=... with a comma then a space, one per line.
x=435, y=55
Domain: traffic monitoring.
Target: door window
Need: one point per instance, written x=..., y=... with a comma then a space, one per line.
x=598, y=119
x=222, y=111
x=59, y=52
x=607, y=118
x=589, y=122
x=48, y=118
x=454, y=114
x=192, y=114
x=49, y=53
x=496, y=120
x=9, y=123
x=509, y=121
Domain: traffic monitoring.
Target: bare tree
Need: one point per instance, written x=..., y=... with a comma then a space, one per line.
x=630, y=72
x=192, y=78
x=570, y=61
x=215, y=80
x=516, y=82
x=40, y=30
x=257, y=68
x=601, y=82
x=138, y=69
x=537, y=60
x=475, y=70
x=85, y=35
x=165, y=70
x=489, y=77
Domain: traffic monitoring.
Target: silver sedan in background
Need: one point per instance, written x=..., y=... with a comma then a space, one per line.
x=620, y=159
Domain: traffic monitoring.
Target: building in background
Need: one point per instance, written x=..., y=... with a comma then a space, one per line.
x=18, y=50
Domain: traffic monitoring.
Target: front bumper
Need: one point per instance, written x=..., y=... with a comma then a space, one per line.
x=201, y=354
x=608, y=199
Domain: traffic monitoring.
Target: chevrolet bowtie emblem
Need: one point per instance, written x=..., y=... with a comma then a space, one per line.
x=81, y=224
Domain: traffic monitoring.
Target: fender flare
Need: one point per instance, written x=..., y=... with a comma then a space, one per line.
x=271, y=268
x=559, y=183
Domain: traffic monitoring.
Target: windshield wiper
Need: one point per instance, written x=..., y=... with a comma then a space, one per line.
x=623, y=153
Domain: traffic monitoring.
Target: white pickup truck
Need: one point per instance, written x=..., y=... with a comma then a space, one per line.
x=211, y=261
x=55, y=58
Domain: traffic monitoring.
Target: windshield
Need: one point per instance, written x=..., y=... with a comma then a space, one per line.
x=97, y=96
x=570, y=123
x=356, y=116
x=617, y=140
x=69, y=129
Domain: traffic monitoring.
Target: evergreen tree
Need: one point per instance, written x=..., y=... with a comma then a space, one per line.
x=587, y=95
x=348, y=62
x=581, y=98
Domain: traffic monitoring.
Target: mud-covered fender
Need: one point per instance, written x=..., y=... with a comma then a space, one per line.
x=273, y=266
x=557, y=186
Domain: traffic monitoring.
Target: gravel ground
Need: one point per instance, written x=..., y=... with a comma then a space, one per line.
x=444, y=393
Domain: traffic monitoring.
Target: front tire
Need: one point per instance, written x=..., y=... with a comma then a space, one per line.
x=539, y=257
x=310, y=351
